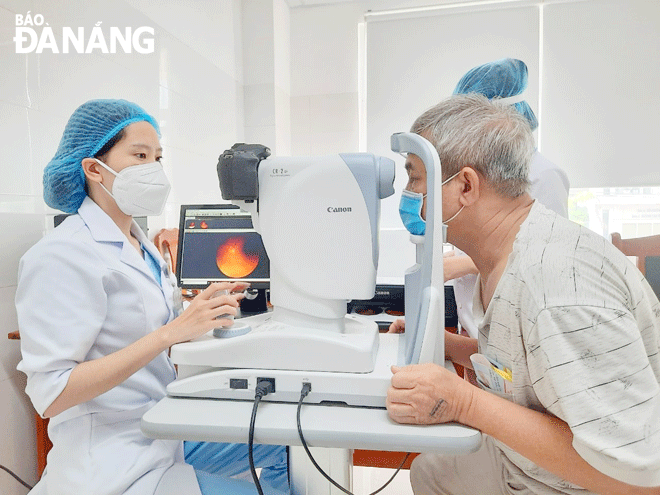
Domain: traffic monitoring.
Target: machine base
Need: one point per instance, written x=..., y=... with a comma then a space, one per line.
x=273, y=345
x=352, y=389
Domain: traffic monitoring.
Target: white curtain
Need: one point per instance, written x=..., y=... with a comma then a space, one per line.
x=415, y=62
x=601, y=91
x=600, y=74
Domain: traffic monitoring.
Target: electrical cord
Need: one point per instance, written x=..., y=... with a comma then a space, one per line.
x=306, y=389
x=262, y=389
x=15, y=476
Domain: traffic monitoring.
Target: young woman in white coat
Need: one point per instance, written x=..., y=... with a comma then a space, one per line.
x=97, y=311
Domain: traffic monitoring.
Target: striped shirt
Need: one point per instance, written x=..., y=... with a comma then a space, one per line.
x=579, y=327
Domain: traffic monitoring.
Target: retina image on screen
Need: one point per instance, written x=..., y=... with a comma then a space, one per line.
x=219, y=243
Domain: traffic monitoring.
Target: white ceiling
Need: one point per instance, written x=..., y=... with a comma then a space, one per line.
x=303, y=3
x=385, y=4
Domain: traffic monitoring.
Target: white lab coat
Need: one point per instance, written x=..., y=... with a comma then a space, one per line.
x=85, y=292
x=549, y=185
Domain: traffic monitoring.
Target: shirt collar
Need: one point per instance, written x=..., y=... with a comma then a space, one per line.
x=101, y=226
x=104, y=229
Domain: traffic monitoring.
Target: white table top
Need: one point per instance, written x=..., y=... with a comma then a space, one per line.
x=323, y=426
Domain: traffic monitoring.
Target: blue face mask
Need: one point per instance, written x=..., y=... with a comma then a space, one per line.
x=410, y=211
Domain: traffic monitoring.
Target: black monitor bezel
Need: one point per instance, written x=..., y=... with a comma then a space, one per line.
x=261, y=284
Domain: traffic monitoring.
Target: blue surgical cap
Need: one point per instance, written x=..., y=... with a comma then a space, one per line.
x=501, y=78
x=90, y=127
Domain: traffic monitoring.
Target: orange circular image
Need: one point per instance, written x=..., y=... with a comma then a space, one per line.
x=233, y=261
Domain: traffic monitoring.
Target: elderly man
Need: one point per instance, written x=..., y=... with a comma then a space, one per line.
x=557, y=305
x=505, y=80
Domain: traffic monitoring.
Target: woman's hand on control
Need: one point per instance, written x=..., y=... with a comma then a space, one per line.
x=200, y=315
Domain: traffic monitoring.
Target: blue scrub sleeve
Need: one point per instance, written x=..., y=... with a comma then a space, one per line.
x=231, y=459
x=214, y=484
x=61, y=305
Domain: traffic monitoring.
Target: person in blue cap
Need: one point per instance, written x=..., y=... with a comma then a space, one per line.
x=503, y=80
x=98, y=310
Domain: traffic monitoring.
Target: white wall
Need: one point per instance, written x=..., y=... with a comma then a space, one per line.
x=324, y=105
x=598, y=78
x=324, y=79
x=414, y=62
x=266, y=69
x=192, y=84
x=600, y=91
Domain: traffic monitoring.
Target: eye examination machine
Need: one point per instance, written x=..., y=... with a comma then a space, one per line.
x=319, y=221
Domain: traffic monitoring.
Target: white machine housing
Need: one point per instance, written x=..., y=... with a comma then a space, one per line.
x=318, y=218
x=319, y=221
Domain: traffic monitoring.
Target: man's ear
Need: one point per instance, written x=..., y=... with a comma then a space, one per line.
x=472, y=185
x=91, y=168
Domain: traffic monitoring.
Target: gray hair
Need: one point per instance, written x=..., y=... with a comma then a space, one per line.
x=472, y=131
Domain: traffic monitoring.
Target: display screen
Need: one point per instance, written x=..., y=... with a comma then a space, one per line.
x=218, y=243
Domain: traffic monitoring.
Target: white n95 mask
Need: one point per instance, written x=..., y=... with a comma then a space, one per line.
x=139, y=190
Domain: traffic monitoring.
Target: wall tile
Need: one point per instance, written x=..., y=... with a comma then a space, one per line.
x=301, y=143
x=324, y=47
x=186, y=72
x=10, y=352
x=300, y=114
x=334, y=112
x=68, y=80
x=19, y=233
x=71, y=14
x=258, y=35
x=282, y=45
x=200, y=25
x=19, y=6
x=283, y=121
x=226, y=112
x=15, y=164
x=194, y=179
x=54, y=74
x=259, y=102
x=239, y=106
x=18, y=445
x=45, y=132
x=262, y=135
x=204, y=129
x=16, y=204
x=17, y=81
x=323, y=143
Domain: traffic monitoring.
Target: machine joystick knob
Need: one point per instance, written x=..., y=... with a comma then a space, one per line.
x=236, y=330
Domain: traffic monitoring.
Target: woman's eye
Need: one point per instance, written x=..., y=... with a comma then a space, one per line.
x=159, y=159
x=142, y=156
